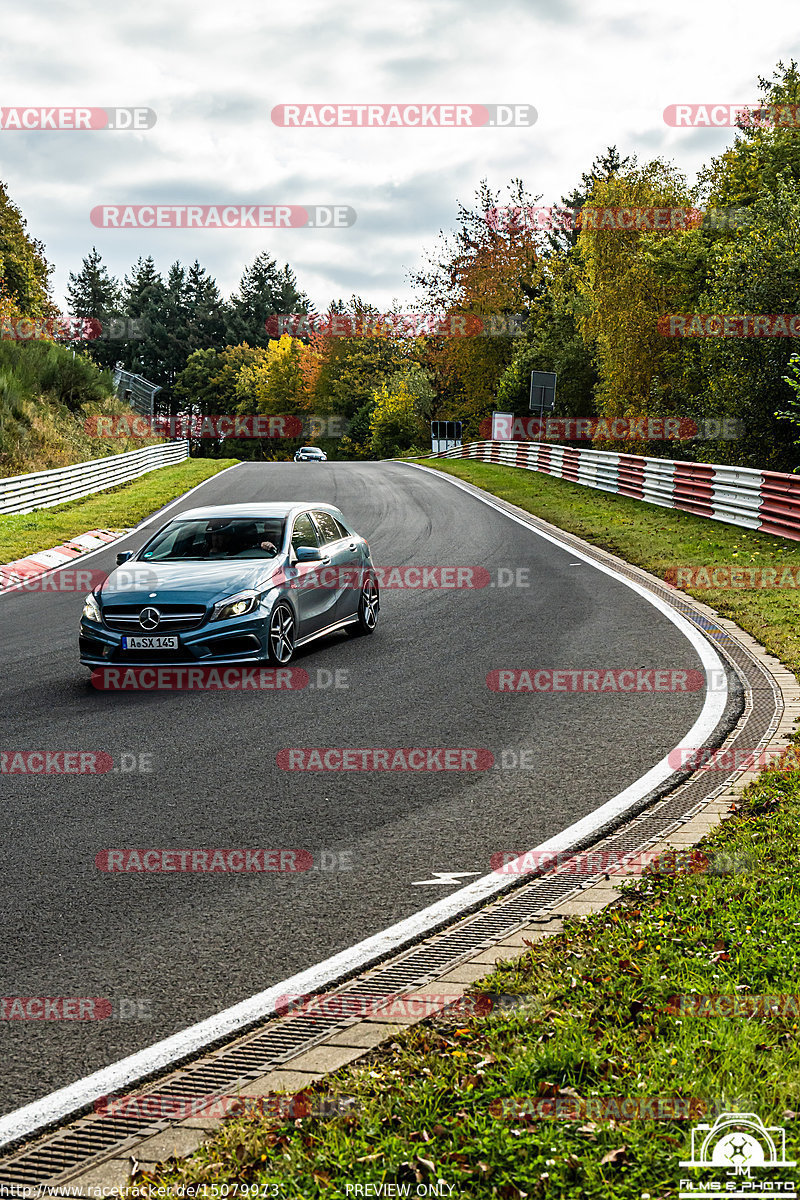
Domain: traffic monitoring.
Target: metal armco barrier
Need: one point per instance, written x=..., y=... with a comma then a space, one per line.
x=140, y=393
x=45, y=489
x=764, y=500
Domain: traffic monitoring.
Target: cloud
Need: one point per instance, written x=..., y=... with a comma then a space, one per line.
x=598, y=75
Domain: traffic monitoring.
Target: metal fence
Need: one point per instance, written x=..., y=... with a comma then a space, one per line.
x=764, y=500
x=45, y=489
x=136, y=391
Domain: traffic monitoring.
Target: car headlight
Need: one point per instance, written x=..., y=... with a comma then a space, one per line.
x=91, y=609
x=235, y=606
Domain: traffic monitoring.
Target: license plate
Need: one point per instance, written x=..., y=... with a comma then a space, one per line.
x=150, y=643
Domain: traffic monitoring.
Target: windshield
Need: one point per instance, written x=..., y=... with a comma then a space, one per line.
x=217, y=538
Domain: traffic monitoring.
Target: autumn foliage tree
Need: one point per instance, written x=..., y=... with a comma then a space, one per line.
x=486, y=268
x=629, y=278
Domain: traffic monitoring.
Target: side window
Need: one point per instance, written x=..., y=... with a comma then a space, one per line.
x=328, y=527
x=304, y=533
x=342, y=531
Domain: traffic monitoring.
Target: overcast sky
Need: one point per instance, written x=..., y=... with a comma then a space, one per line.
x=599, y=72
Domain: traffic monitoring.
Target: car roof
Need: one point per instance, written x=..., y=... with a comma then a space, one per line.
x=255, y=510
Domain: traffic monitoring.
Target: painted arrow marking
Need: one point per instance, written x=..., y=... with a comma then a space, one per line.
x=444, y=877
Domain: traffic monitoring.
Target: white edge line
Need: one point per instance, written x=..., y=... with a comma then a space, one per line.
x=67, y=1101
x=73, y=562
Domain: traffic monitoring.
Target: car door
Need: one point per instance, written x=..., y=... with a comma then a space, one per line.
x=313, y=600
x=345, y=556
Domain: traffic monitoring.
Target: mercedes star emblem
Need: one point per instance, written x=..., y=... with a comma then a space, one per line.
x=149, y=618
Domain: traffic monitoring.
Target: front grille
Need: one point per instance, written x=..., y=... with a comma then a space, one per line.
x=181, y=655
x=124, y=618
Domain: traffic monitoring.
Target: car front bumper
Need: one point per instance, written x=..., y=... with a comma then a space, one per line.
x=239, y=640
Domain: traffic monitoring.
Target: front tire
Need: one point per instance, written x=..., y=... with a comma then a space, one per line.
x=281, y=636
x=368, y=607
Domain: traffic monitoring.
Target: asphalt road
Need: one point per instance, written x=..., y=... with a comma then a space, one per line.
x=192, y=944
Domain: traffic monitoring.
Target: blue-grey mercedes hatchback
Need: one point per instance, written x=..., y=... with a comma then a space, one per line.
x=234, y=583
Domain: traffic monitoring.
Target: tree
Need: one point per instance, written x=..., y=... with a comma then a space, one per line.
x=272, y=381
x=264, y=290
x=552, y=342
x=93, y=294
x=396, y=424
x=203, y=311
x=763, y=151
x=349, y=368
x=756, y=271
x=24, y=270
x=485, y=268
x=604, y=168
x=628, y=278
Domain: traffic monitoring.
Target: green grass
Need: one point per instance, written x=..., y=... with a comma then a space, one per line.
x=602, y=1021
x=117, y=508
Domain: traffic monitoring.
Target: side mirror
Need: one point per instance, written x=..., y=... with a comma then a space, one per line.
x=123, y=556
x=307, y=554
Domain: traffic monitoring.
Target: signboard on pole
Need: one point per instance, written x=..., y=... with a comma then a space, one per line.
x=502, y=427
x=445, y=435
x=543, y=391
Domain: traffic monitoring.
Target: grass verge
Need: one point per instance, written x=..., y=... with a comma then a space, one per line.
x=117, y=508
x=444, y=1109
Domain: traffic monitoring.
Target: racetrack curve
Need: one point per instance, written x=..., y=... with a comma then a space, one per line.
x=192, y=944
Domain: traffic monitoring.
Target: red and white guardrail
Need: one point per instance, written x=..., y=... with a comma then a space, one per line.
x=765, y=500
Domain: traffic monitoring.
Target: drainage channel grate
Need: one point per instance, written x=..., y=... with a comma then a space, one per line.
x=752, y=716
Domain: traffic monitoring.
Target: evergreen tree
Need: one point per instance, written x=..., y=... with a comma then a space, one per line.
x=204, y=312
x=605, y=167
x=94, y=295
x=144, y=297
x=264, y=291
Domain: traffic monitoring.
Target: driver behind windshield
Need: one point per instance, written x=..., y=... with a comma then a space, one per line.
x=218, y=542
